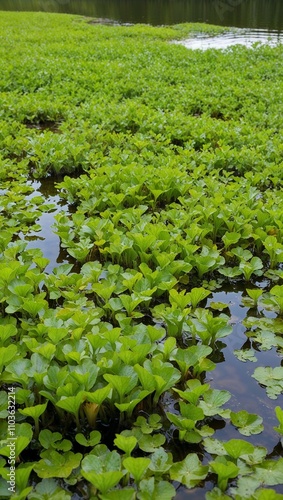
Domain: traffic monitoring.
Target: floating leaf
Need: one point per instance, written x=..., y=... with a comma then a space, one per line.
x=189, y=471
x=247, y=423
x=225, y=470
x=272, y=378
x=160, y=461
x=245, y=355
x=270, y=472
x=213, y=399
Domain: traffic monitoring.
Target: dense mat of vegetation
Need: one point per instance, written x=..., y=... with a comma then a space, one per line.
x=172, y=165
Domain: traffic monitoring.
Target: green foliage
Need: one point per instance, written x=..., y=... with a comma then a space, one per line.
x=189, y=471
x=247, y=423
x=173, y=191
x=271, y=378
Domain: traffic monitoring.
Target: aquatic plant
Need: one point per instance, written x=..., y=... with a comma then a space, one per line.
x=167, y=170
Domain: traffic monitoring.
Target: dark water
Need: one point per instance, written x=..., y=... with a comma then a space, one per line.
x=266, y=14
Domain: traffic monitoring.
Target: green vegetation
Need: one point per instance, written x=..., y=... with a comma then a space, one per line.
x=170, y=162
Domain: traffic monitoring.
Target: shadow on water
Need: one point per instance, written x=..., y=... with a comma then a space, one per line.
x=52, y=126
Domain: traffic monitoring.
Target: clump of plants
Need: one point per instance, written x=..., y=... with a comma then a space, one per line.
x=168, y=164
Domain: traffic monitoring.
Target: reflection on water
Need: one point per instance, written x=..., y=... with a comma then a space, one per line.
x=241, y=13
x=236, y=37
x=45, y=239
x=235, y=376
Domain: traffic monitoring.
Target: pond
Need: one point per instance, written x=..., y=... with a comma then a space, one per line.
x=267, y=14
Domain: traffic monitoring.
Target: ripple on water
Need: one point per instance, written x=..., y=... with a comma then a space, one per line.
x=233, y=37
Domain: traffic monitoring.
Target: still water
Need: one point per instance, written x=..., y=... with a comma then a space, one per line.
x=256, y=14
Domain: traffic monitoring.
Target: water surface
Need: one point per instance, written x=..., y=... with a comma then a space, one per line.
x=248, y=37
x=254, y=14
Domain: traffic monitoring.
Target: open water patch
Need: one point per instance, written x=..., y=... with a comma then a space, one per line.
x=233, y=375
x=46, y=239
x=52, y=126
x=249, y=38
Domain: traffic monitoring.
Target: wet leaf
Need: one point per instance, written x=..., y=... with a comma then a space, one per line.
x=272, y=378
x=189, y=471
x=247, y=423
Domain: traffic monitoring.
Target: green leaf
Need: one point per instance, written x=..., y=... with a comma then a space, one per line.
x=53, y=464
x=230, y=272
x=225, y=470
x=218, y=306
x=54, y=440
x=254, y=294
x=71, y=404
x=123, y=494
x=150, y=443
x=99, y=395
x=122, y=384
x=136, y=467
x=94, y=439
x=246, y=486
x=197, y=295
x=263, y=494
x=189, y=471
x=216, y=494
x=110, y=461
x=214, y=446
x=272, y=378
x=230, y=239
x=7, y=354
x=270, y=472
x=47, y=489
x=23, y=435
x=34, y=307
x=247, y=423
x=103, y=481
x=7, y=331
x=148, y=426
x=126, y=444
x=279, y=415
x=34, y=411
x=237, y=448
x=245, y=355
x=23, y=472
x=213, y=399
x=151, y=490
x=160, y=461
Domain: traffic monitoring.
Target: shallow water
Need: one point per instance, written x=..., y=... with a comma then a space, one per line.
x=235, y=37
x=45, y=239
x=234, y=375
